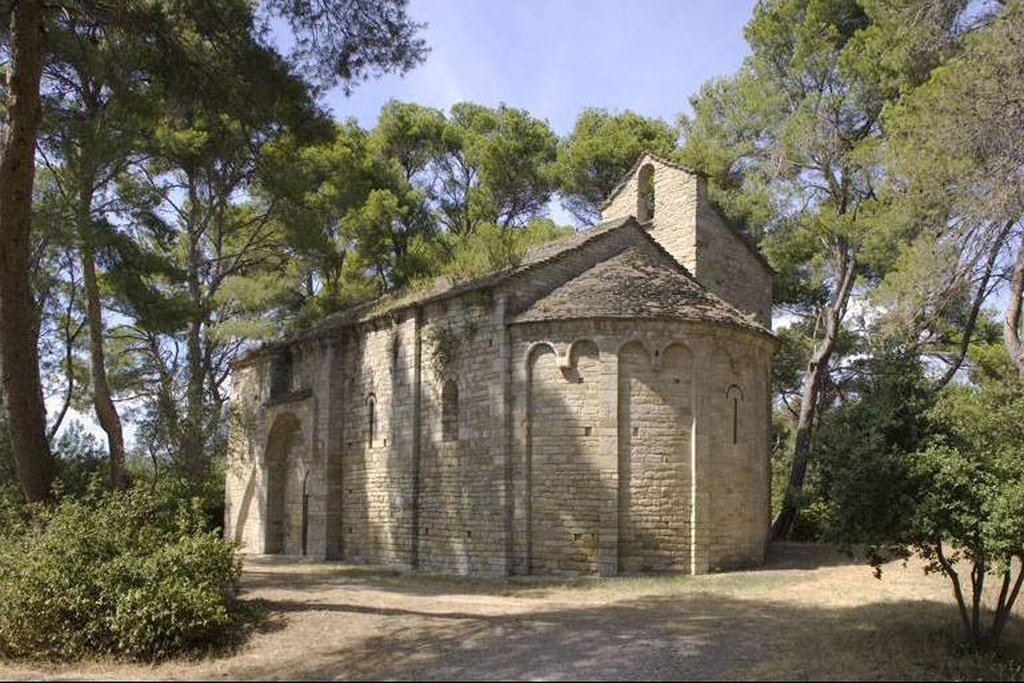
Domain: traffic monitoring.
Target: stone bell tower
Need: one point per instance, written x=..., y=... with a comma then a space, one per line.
x=671, y=201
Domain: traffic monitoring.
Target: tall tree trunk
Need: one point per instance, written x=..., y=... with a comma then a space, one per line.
x=194, y=403
x=1011, y=324
x=814, y=381
x=103, y=402
x=18, y=342
x=106, y=411
x=165, y=393
x=193, y=433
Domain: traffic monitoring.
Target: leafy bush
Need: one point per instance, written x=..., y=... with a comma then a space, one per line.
x=941, y=478
x=864, y=447
x=83, y=463
x=126, y=574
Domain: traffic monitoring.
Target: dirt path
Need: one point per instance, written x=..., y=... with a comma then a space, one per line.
x=809, y=614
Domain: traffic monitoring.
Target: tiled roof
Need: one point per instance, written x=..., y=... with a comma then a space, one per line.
x=635, y=284
x=631, y=284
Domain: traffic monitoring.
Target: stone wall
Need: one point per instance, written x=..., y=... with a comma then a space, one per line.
x=565, y=481
x=727, y=266
x=376, y=472
x=461, y=510
x=738, y=500
x=651, y=480
x=655, y=432
x=275, y=483
x=594, y=446
x=621, y=447
x=308, y=460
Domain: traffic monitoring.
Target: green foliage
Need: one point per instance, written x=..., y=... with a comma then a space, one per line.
x=155, y=116
x=424, y=193
x=599, y=151
x=945, y=482
x=864, y=447
x=128, y=574
x=445, y=341
x=490, y=248
x=797, y=155
x=82, y=463
x=351, y=41
x=954, y=149
x=974, y=467
x=954, y=141
x=497, y=167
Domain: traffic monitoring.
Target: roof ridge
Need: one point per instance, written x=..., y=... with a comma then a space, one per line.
x=686, y=271
x=446, y=286
x=669, y=298
x=558, y=248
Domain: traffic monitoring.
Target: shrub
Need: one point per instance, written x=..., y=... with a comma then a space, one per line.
x=127, y=574
x=945, y=483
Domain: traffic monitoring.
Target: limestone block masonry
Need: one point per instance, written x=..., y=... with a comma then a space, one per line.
x=603, y=408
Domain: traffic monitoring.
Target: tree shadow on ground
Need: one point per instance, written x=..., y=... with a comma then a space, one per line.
x=786, y=555
x=700, y=636
x=301, y=575
x=330, y=623
x=777, y=621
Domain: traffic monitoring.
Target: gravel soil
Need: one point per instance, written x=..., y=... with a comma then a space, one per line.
x=810, y=613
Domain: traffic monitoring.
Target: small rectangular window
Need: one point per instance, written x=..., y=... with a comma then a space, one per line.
x=450, y=411
x=281, y=373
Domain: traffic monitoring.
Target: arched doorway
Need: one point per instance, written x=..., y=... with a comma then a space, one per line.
x=287, y=508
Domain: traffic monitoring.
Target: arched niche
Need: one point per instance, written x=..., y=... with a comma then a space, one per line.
x=655, y=425
x=284, y=524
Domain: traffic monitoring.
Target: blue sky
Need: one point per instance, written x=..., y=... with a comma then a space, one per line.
x=556, y=57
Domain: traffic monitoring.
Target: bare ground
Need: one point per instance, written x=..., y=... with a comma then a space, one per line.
x=809, y=614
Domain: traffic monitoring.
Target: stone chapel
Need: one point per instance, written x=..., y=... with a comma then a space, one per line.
x=601, y=408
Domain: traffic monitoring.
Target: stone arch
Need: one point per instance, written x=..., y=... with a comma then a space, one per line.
x=645, y=200
x=675, y=351
x=582, y=347
x=655, y=397
x=562, y=461
x=581, y=358
x=536, y=349
x=286, y=509
x=634, y=345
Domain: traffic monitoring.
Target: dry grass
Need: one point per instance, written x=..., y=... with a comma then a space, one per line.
x=809, y=614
